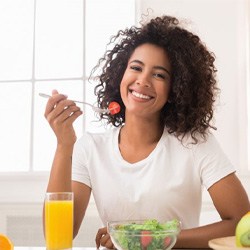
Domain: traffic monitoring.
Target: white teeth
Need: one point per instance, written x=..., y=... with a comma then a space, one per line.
x=140, y=95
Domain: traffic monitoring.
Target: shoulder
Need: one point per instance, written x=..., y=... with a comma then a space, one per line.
x=209, y=140
x=209, y=152
x=208, y=145
x=89, y=139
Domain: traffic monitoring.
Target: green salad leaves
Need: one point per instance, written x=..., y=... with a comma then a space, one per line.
x=149, y=235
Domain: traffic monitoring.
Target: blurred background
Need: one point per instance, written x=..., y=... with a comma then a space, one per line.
x=54, y=44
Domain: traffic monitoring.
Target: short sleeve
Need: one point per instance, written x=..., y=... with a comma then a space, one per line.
x=80, y=172
x=212, y=162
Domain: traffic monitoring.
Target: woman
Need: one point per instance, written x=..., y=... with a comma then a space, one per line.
x=161, y=152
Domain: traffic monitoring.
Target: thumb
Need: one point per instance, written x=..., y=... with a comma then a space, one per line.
x=54, y=92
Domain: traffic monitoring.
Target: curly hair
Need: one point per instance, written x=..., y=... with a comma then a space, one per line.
x=193, y=84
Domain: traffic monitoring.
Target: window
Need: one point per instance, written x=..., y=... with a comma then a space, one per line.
x=45, y=45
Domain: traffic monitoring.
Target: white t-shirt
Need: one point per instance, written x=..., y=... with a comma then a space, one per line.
x=165, y=185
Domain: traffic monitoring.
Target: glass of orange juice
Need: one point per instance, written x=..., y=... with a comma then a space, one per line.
x=59, y=220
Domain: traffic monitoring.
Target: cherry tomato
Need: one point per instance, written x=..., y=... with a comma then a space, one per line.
x=146, y=238
x=167, y=241
x=114, y=108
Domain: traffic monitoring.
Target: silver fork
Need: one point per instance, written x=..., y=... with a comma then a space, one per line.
x=96, y=109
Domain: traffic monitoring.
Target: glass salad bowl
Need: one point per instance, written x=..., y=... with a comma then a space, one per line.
x=145, y=235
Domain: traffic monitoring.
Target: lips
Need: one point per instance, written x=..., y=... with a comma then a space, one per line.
x=140, y=95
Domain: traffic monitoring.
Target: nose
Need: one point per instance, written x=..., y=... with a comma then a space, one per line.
x=144, y=81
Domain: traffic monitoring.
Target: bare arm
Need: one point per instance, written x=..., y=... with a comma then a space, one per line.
x=61, y=113
x=81, y=199
x=231, y=202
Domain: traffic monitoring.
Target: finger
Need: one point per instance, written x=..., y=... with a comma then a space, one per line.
x=109, y=244
x=59, y=108
x=66, y=112
x=73, y=117
x=62, y=105
x=99, y=235
x=52, y=102
x=106, y=241
x=54, y=92
x=66, y=118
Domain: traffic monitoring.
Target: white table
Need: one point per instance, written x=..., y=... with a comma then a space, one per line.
x=44, y=248
x=82, y=248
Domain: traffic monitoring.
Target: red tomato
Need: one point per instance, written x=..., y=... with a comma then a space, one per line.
x=167, y=241
x=146, y=238
x=114, y=108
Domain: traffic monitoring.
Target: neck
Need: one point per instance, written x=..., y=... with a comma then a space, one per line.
x=141, y=132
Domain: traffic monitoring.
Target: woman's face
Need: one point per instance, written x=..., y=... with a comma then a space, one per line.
x=145, y=85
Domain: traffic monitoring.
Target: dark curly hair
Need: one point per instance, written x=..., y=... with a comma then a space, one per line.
x=193, y=84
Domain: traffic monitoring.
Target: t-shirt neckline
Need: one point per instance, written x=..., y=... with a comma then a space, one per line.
x=119, y=157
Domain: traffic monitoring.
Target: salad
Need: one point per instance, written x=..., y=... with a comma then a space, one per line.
x=146, y=235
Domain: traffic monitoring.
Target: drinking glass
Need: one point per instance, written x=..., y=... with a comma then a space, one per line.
x=59, y=220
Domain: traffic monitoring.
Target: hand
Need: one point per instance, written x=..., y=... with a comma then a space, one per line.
x=103, y=239
x=61, y=113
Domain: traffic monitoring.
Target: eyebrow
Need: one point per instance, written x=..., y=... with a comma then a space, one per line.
x=155, y=67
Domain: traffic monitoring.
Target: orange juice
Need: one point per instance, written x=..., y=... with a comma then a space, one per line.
x=59, y=224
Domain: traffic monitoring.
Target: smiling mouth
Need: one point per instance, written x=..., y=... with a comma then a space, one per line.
x=139, y=95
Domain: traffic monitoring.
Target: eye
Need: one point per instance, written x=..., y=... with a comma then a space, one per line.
x=136, y=68
x=158, y=75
